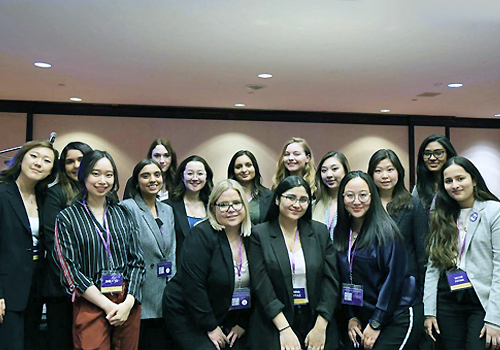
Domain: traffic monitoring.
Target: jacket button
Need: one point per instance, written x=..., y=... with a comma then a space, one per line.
x=152, y=266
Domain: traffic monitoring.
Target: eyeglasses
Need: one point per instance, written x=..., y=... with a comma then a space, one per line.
x=292, y=199
x=438, y=154
x=363, y=197
x=224, y=207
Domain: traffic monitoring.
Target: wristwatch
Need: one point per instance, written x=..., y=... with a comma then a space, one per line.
x=374, y=324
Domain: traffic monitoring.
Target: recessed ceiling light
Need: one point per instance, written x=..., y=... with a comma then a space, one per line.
x=42, y=64
x=75, y=99
x=265, y=75
x=497, y=115
x=455, y=85
x=385, y=110
x=239, y=105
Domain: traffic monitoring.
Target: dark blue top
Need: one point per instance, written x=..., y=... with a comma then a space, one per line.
x=387, y=287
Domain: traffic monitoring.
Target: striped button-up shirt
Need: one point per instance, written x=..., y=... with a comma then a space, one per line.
x=81, y=253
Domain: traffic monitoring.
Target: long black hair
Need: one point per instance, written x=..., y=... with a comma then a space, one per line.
x=256, y=181
x=89, y=160
x=425, y=178
x=134, y=183
x=401, y=198
x=287, y=183
x=70, y=187
x=378, y=227
x=442, y=247
x=169, y=176
x=180, y=188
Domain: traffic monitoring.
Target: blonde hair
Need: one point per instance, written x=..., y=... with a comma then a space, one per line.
x=219, y=188
x=309, y=169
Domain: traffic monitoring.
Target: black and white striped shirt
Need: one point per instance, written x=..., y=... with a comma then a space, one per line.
x=81, y=253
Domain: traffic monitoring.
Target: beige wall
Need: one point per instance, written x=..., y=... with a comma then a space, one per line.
x=13, y=134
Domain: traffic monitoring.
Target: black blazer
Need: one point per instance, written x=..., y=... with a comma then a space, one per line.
x=181, y=225
x=201, y=291
x=414, y=226
x=16, y=248
x=272, y=278
x=55, y=201
x=265, y=197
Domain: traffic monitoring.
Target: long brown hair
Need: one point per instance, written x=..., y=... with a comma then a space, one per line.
x=442, y=246
x=12, y=172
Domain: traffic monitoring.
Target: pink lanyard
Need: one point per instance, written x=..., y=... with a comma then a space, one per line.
x=290, y=254
x=463, y=243
x=108, y=234
x=330, y=223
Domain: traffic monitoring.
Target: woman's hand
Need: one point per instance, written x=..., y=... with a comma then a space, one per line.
x=120, y=312
x=316, y=338
x=429, y=324
x=2, y=309
x=370, y=336
x=235, y=334
x=218, y=338
x=492, y=337
x=353, y=330
x=289, y=340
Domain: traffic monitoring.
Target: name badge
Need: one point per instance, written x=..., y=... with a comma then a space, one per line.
x=352, y=294
x=164, y=269
x=300, y=296
x=241, y=299
x=111, y=282
x=36, y=252
x=458, y=280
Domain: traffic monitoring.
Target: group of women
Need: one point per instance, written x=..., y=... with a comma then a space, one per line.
x=329, y=259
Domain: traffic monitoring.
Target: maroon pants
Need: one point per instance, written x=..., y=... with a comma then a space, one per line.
x=91, y=329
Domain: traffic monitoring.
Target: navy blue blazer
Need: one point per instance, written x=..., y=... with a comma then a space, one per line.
x=17, y=266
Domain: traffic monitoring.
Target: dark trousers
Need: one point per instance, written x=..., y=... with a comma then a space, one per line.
x=91, y=329
x=152, y=335
x=403, y=331
x=460, y=317
x=20, y=329
x=59, y=322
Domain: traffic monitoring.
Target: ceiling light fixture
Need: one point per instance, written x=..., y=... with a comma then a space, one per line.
x=265, y=75
x=239, y=105
x=75, y=99
x=385, y=110
x=42, y=64
x=497, y=115
x=455, y=85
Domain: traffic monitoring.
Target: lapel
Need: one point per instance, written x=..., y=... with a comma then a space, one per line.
x=226, y=254
x=17, y=204
x=150, y=221
x=477, y=209
x=180, y=211
x=281, y=254
x=310, y=254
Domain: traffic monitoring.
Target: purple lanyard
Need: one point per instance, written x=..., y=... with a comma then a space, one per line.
x=240, y=259
x=330, y=223
x=350, y=254
x=290, y=254
x=162, y=238
x=108, y=235
x=463, y=243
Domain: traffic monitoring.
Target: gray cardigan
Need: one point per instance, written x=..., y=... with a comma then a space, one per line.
x=156, y=246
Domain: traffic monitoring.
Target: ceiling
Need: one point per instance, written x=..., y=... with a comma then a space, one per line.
x=325, y=55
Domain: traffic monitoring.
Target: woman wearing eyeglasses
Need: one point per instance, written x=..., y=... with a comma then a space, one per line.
x=434, y=151
x=207, y=304
x=294, y=275
x=378, y=294
x=190, y=197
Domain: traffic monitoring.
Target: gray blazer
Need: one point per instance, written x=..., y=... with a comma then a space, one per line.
x=156, y=246
x=482, y=262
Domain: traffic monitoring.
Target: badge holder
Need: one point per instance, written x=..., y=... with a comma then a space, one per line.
x=458, y=280
x=352, y=294
x=300, y=296
x=241, y=299
x=111, y=282
x=164, y=269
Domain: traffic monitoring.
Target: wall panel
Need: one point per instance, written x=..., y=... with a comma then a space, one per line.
x=12, y=134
